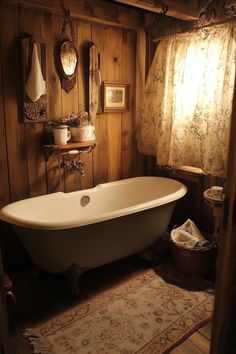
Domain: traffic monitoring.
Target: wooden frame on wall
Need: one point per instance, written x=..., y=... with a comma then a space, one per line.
x=115, y=96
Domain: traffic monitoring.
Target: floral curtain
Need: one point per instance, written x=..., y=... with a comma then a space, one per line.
x=187, y=106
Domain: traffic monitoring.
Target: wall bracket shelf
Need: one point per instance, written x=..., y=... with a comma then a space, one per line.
x=50, y=149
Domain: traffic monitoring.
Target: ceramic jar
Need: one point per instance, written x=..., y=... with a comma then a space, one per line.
x=85, y=133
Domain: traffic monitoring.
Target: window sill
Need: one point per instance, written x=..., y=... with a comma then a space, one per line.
x=189, y=173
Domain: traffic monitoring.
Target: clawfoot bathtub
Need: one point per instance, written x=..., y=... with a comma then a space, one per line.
x=70, y=233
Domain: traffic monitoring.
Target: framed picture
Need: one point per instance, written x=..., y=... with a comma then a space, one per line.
x=115, y=97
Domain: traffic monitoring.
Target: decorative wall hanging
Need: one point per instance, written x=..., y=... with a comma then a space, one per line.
x=33, y=57
x=66, y=56
x=115, y=97
x=94, y=82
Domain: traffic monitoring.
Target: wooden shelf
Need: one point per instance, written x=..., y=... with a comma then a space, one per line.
x=187, y=173
x=49, y=149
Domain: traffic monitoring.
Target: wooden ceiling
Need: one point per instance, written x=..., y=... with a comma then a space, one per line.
x=182, y=9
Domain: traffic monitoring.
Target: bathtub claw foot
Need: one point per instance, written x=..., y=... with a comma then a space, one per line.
x=74, y=286
x=160, y=248
x=147, y=255
x=155, y=253
x=73, y=273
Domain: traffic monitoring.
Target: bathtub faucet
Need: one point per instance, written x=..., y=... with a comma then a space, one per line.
x=75, y=165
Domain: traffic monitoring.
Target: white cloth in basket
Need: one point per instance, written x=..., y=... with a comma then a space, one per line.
x=188, y=236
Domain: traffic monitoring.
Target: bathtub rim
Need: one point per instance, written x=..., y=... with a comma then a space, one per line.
x=73, y=223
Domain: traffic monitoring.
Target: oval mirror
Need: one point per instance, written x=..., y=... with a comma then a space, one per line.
x=69, y=58
x=66, y=62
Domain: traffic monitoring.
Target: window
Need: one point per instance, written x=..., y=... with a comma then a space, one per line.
x=187, y=104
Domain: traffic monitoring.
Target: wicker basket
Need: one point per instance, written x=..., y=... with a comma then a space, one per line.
x=194, y=261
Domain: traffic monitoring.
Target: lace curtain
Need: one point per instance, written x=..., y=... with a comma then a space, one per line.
x=186, y=112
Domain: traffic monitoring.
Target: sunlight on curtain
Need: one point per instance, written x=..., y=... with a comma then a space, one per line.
x=187, y=106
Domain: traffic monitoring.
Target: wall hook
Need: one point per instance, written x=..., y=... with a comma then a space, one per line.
x=165, y=9
x=67, y=13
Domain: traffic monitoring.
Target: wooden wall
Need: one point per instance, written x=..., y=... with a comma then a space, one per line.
x=23, y=170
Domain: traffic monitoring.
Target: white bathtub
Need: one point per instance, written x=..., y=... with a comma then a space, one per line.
x=121, y=218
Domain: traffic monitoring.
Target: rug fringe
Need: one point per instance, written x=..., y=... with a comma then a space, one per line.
x=40, y=344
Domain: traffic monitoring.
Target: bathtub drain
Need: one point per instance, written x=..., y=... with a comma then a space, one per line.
x=85, y=199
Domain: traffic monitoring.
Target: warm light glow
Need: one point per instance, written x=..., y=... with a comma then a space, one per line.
x=187, y=106
x=195, y=65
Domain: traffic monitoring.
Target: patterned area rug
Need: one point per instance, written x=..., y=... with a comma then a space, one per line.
x=150, y=313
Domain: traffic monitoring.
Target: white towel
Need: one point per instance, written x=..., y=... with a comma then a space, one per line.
x=35, y=86
x=188, y=235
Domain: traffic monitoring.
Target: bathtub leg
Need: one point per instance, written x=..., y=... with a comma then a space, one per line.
x=161, y=247
x=157, y=250
x=73, y=273
x=74, y=286
x=147, y=254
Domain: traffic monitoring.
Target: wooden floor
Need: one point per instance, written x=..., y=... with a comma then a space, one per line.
x=197, y=343
x=41, y=296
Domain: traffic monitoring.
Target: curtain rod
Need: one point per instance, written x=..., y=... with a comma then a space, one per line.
x=215, y=24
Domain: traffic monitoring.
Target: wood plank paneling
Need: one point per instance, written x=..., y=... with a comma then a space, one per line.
x=180, y=9
x=53, y=174
x=113, y=157
x=127, y=122
x=51, y=35
x=30, y=22
x=112, y=129
x=35, y=159
x=15, y=131
x=4, y=181
x=25, y=172
x=139, y=91
x=86, y=181
x=84, y=43
x=114, y=146
x=70, y=103
x=50, y=32
x=101, y=152
x=98, y=11
x=113, y=73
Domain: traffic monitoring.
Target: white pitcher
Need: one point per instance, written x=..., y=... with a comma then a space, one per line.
x=61, y=134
